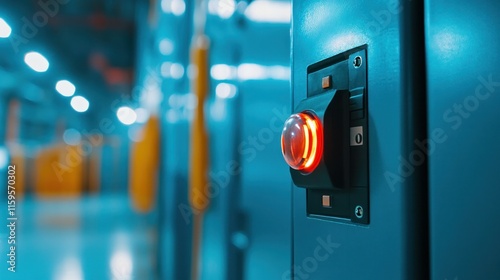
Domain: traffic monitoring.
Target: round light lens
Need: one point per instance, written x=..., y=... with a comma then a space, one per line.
x=302, y=141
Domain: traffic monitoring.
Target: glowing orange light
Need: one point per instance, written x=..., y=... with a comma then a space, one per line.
x=302, y=141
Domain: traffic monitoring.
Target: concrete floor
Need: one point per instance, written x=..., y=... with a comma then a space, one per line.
x=98, y=237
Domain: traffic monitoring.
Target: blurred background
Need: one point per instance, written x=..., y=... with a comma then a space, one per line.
x=112, y=112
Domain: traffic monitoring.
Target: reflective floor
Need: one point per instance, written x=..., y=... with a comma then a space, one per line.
x=87, y=238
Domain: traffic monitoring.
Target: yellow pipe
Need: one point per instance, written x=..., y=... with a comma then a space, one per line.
x=199, y=136
x=199, y=153
x=144, y=162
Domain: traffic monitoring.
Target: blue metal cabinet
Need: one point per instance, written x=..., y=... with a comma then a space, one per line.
x=462, y=44
x=389, y=246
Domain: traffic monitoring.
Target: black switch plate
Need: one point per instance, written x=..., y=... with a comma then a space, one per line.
x=349, y=73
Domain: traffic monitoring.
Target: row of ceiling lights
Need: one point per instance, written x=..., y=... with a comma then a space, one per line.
x=259, y=11
x=40, y=64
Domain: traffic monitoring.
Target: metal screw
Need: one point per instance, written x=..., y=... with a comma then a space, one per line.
x=357, y=61
x=359, y=212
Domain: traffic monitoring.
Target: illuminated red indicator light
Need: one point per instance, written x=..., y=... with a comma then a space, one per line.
x=302, y=141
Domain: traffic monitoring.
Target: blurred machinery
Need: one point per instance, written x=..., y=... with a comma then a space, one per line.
x=110, y=93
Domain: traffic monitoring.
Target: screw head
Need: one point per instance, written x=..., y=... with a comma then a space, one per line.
x=357, y=62
x=358, y=211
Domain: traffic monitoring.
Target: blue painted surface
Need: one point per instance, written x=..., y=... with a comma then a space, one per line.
x=381, y=250
x=463, y=75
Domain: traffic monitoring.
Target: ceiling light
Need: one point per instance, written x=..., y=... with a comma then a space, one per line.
x=80, y=104
x=65, y=88
x=5, y=29
x=36, y=61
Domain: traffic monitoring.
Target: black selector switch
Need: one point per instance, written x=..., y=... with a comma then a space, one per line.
x=356, y=103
